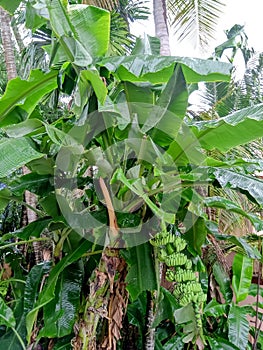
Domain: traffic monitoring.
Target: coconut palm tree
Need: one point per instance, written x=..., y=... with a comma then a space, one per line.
x=194, y=20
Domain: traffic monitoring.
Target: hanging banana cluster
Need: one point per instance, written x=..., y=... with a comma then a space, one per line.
x=187, y=287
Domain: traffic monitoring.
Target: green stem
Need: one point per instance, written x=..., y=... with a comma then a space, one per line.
x=93, y=253
x=24, y=242
x=19, y=338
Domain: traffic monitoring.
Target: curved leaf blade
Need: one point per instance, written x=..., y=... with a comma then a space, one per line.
x=173, y=99
x=141, y=274
x=33, y=282
x=242, y=276
x=26, y=94
x=223, y=281
x=14, y=153
x=59, y=314
x=92, y=25
x=238, y=326
x=214, y=309
x=237, y=128
x=10, y=6
x=7, y=317
x=250, y=184
x=197, y=233
x=48, y=293
x=159, y=69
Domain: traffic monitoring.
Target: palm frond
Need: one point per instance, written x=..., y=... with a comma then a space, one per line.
x=194, y=19
x=121, y=41
x=34, y=56
x=132, y=10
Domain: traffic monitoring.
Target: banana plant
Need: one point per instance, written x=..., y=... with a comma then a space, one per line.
x=120, y=167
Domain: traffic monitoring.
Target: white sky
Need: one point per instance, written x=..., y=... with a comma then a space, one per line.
x=248, y=13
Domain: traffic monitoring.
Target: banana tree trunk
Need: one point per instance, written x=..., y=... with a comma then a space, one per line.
x=161, y=27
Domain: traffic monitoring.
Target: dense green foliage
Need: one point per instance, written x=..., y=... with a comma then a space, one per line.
x=120, y=164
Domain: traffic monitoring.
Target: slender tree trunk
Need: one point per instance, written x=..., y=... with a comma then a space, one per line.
x=161, y=27
x=105, y=4
x=8, y=46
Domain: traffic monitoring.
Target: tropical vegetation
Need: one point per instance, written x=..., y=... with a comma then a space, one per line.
x=131, y=189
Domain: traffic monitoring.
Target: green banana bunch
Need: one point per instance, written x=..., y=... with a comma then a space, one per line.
x=187, y=287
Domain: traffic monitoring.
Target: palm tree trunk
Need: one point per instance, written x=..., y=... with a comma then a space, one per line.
x=7, y=44
x=105, y=4
x=161, y=27
x=10, y=63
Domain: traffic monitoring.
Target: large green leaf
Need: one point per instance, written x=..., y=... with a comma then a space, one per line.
x=25, y=94
x=196, y=235
x=92, y=76
x=12, y=339
x=140, y=103
x=223, y=281
x=7, y=317
x=149, y=45
x=35, y=183
x=63, y=343
x=33, y=229
x=242, y=276
x=141, y=274
x=10, y=6
x=186, y=316
x=33, y=283
x=215, y=309
x=238, y=326
x=23, y=128
x=171, y=106
x=159, y=69
x=60, y=313
x=14, y=153
x=233, y=179
x=48, y=293
x=235, y=129
x=36, y=14
x=83, y=31
x=174, y=343
x=5, y=196
x=92, y=25
x=166, y=307
x=174, y=97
